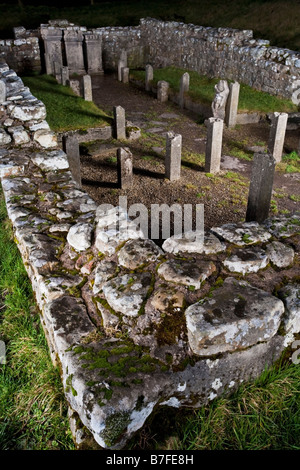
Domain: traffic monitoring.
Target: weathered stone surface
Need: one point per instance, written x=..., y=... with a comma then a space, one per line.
x=167, y=299
x=104, y=271
x=80, y=236
x=45, y=138
x=206, y=244
x=247, y=260
x=27, y=113
x=213, y=149
x=5, y=138
x=219, y=103
x=280, y=255
x=2, y=91
x=283, y=226
x=290, y=295
x=236, y=316
x=162, y=91
x=126, y=293
x=55, y=160
x=232, y=105
x=19, y=135
x=187, y=272
x=173, y=156
x=242, y=234
x=124, y=168
x=136, y=253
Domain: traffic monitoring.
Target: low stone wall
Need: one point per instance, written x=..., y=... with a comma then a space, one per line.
x=133, y=326
x=22, y=54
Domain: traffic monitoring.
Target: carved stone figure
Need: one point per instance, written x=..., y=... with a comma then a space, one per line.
x=219, y=102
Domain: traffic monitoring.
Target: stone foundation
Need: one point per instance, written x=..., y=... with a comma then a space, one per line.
x=133, y=326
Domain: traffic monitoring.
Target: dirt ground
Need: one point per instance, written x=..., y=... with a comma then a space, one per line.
x=224, y=195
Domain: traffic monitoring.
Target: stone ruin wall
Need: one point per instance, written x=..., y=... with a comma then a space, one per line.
x=216, y=52
x=132, y=326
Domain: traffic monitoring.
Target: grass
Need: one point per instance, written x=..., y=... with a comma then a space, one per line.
x=65, y=110
x=290, y=163
x=202, y=90
x=278, y=20
x=33, y=412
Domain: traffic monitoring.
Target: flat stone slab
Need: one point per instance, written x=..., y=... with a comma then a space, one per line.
x=247, y=260
x=126, y=293
x=139, y=252
x=232, y=163
x=169, y=116
x=194, y=242
x=235, y=317
x=280, y=255
x=187, y=272
x=242, y=234
x=283, y=226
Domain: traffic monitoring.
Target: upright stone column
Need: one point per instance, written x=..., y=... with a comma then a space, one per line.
x=121, y=65
x=71, y=148
x=184, y=88
x=93, y=52
x=148, y=77
x=124, y=165
x=52, y=38
x=277, y=135
x=119, y=123
x=125, y=74
x=261, y=184
x=57, y=71
x=162, y=91
x=87, y=88
x=65, y=77
x=232, y=104
x=173, y=156
x=213, y=145
x=74, y=51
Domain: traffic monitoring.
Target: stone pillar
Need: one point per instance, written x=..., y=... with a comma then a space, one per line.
x=261, y=184
x=57, y=71
x=213, y=145
x=53, y=48
x=162, y=91
x=232, y=105
x=121, y=65
x=125, y=165
x=148, y=77
x=125, y=74
x=119, y=123
x=184, y=88
x=65, y=77
x=71, y=148
x=173, y=156
x=2, y=91
x=277, y=135
x=87, y=88
x=93, y=52
x=74, y=51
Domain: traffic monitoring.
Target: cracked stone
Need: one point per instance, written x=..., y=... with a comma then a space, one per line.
x=126, y=293
x=247, y=260
x=236, y=316
x=187, y=272
x=136, y=253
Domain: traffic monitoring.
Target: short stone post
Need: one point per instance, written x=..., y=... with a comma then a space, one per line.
x=213, y=145
x=125, y=74
x=261, y=184
x=124, y=165
x=162, y=91
x=184, y=88
x=232, y=105
x=87, y=88
x=121, y=65
x=71, y=148
x=277, y=135
x=57, y=71
x=148, y=77
x=119, y=123
x=173, y=156
x=65, y=75
x=2, y=91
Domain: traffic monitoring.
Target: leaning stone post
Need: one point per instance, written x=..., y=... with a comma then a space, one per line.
x=148, y=77
x=277, y=135
x=71, y=148
x=261, y=184
x=184, y=88
x=87, y=88
x=162, y=91
x=213, y=145
x=173, y=156
x=74, y=51
x=232, y=105
x=124, y=165
x=119, y=123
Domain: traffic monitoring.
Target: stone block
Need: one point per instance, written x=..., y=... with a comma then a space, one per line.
x=124, y=166
x=261, y=184
x=119, y=122
x=213, y=145
x=173, y=156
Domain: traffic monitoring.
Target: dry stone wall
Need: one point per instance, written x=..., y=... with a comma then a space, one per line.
x=133, y=326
